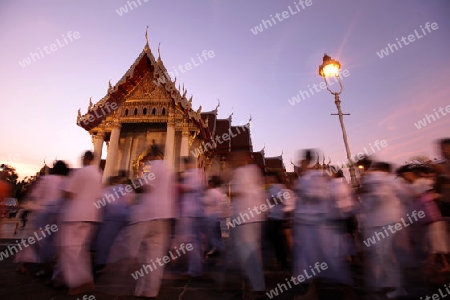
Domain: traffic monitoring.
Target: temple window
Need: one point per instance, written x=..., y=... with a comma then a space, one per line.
x=154, y=111
x=135, y=111
x=126, y=112
x=145, y=111
x=163, y=111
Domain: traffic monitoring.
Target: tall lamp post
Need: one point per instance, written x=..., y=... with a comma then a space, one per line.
x=330, y=68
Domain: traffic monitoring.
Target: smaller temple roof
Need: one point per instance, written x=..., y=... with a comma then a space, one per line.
x=258, y=159
x=223, y=126
x=241, y=139
x=275, y=164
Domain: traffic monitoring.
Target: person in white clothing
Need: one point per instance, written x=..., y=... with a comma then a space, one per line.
x=213, y=207
x=151, y=221
x=276, y=218
x=382, y=205
x=78, y=220
x=192, y=213
x=314, y=238
x=247, y=198
x=45, y=197
x=50, y=192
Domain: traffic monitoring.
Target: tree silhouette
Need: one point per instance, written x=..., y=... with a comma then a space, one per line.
x=18, y=187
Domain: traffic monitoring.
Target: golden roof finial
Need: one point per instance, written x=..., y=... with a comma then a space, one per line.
x=90, y=103
x=218, y=105
x=159, y=51
x=146, y=36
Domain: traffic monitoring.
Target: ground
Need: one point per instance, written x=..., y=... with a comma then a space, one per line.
x=216, y=284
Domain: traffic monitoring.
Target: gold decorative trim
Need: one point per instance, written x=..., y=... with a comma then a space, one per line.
x=192, y=138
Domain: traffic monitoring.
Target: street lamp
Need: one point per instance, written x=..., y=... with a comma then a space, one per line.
x=330, y=68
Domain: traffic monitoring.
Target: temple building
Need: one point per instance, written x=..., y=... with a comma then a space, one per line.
x=146, y=108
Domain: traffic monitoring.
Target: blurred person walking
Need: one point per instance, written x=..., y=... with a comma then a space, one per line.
x=78, y=220
x=246, y=186
x=192, y=214
x=442, y=198
x=382, y=207
x=48, y=194
x=438, y=238
x=42, y=204
x=276, y=219
x=115, y=216
x=317, y=237
x=151, y=221
x=5, y=192
x=215, y=207
x=340, y=227
x=443, y=177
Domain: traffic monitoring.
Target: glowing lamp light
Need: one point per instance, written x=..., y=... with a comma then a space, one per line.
x=329, y=67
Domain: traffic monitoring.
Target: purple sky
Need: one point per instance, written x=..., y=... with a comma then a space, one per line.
x=250, y=74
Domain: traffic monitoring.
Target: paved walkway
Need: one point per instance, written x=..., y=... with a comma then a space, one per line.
x=215, y=284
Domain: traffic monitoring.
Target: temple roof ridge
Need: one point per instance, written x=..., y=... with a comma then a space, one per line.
x=214, y=111
x=146, y=51
x=263, y=150
x=127, y=74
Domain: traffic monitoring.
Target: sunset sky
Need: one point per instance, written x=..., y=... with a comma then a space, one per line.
x=251, y=74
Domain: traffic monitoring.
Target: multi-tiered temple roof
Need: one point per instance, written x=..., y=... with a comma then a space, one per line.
x=208, y=124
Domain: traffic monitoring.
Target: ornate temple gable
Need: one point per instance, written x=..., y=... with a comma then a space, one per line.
x=132, y=85
x=146, y=89
x=117, y=94
x=146, y=103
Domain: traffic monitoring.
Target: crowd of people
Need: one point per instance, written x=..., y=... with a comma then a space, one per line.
x=395, y=218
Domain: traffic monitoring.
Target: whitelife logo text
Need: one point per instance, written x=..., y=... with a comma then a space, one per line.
x=68, y=37
x=411, y=38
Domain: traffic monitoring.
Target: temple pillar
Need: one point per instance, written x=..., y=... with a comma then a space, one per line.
x=184, y=149
x=99, y=138
x=111, y=157
x=125, y=163
x=170, y=141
